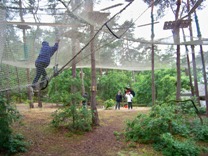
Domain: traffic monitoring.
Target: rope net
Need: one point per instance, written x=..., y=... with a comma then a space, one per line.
x=116, y=32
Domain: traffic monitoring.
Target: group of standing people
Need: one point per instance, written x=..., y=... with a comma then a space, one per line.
x=126, y=95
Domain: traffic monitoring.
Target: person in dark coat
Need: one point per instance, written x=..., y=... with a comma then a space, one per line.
x=43, y=60
x=84, y=102
x=118, y=100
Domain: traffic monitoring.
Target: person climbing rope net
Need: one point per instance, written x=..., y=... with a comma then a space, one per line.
x=42, y=62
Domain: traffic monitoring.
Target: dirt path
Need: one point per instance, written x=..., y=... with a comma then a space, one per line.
x=47, y=141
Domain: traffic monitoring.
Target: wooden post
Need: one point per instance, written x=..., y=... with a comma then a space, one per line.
x=29, y=92
x=95, y=118
x=203, y=62
x=189, y=67
x=153, y=54
x=196, y=90
x=178, y=63
x=18, y=82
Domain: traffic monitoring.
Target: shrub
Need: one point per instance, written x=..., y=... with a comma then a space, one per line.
x=109, y=103
x=200, y=131
x=171, y=146
x=9, y=143
x=163, y=127
x=73, y=118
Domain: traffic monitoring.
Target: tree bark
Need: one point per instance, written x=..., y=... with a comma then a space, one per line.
x=95, y=118
x=18, y=82
x=29, y=92
x=178, y=64
x=153, y=54
x=203, y=62
x=196, y=90
x=189, y=67
x=26, y=57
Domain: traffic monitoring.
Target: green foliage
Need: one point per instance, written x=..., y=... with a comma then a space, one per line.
x=165, y=84
x=168, y=119
x=17, y=144
x=72, y=118
x=171, y=146
x=200, y=131
x=60, y=89
x=202, y=110
x=109, y=103
x=110, y=83
x=9, y=143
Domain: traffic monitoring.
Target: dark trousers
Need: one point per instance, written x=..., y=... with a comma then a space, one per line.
x=84, y=103
x=129, y=105
x=117, y=105
x=40, y=71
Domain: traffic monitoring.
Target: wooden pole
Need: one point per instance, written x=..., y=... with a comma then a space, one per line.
x=153, y=52
x=196, y=90
x=189, y=67
x=178, y=64
x=203, y=62
x=95, y=118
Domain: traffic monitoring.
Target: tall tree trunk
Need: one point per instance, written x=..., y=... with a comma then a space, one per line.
x=205, y=78
x=7, y=92
x=95, y=118
x=18, y=82
x=82, y=79
x=29, y=92
x=188, y=64
x=153, y=54
x=177, y=40
x=74, y=50
x=203, y=62
x=73, y=54
x=196, y=90
x=26, y=56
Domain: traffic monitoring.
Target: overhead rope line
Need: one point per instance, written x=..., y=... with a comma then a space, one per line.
x=105, y=24
x=101, y=48
x=61, y=69
x=152, y=3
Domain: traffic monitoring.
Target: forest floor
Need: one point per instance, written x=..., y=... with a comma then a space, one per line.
x=47, y=141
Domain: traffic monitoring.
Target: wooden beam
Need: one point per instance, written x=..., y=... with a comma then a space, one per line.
x=174, y=24
x=110, y=7
x=39, y=24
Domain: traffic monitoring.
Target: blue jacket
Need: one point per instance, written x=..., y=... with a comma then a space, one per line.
x=46, y=53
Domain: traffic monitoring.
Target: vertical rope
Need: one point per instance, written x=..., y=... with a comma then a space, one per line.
x=197, y=25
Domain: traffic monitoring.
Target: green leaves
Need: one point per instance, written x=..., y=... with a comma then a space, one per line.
x=172, y=146
x=109, y=103
x=109, y=84
x=9, y=143
x=60, y=89
x=169, y=129
x=73, y=118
